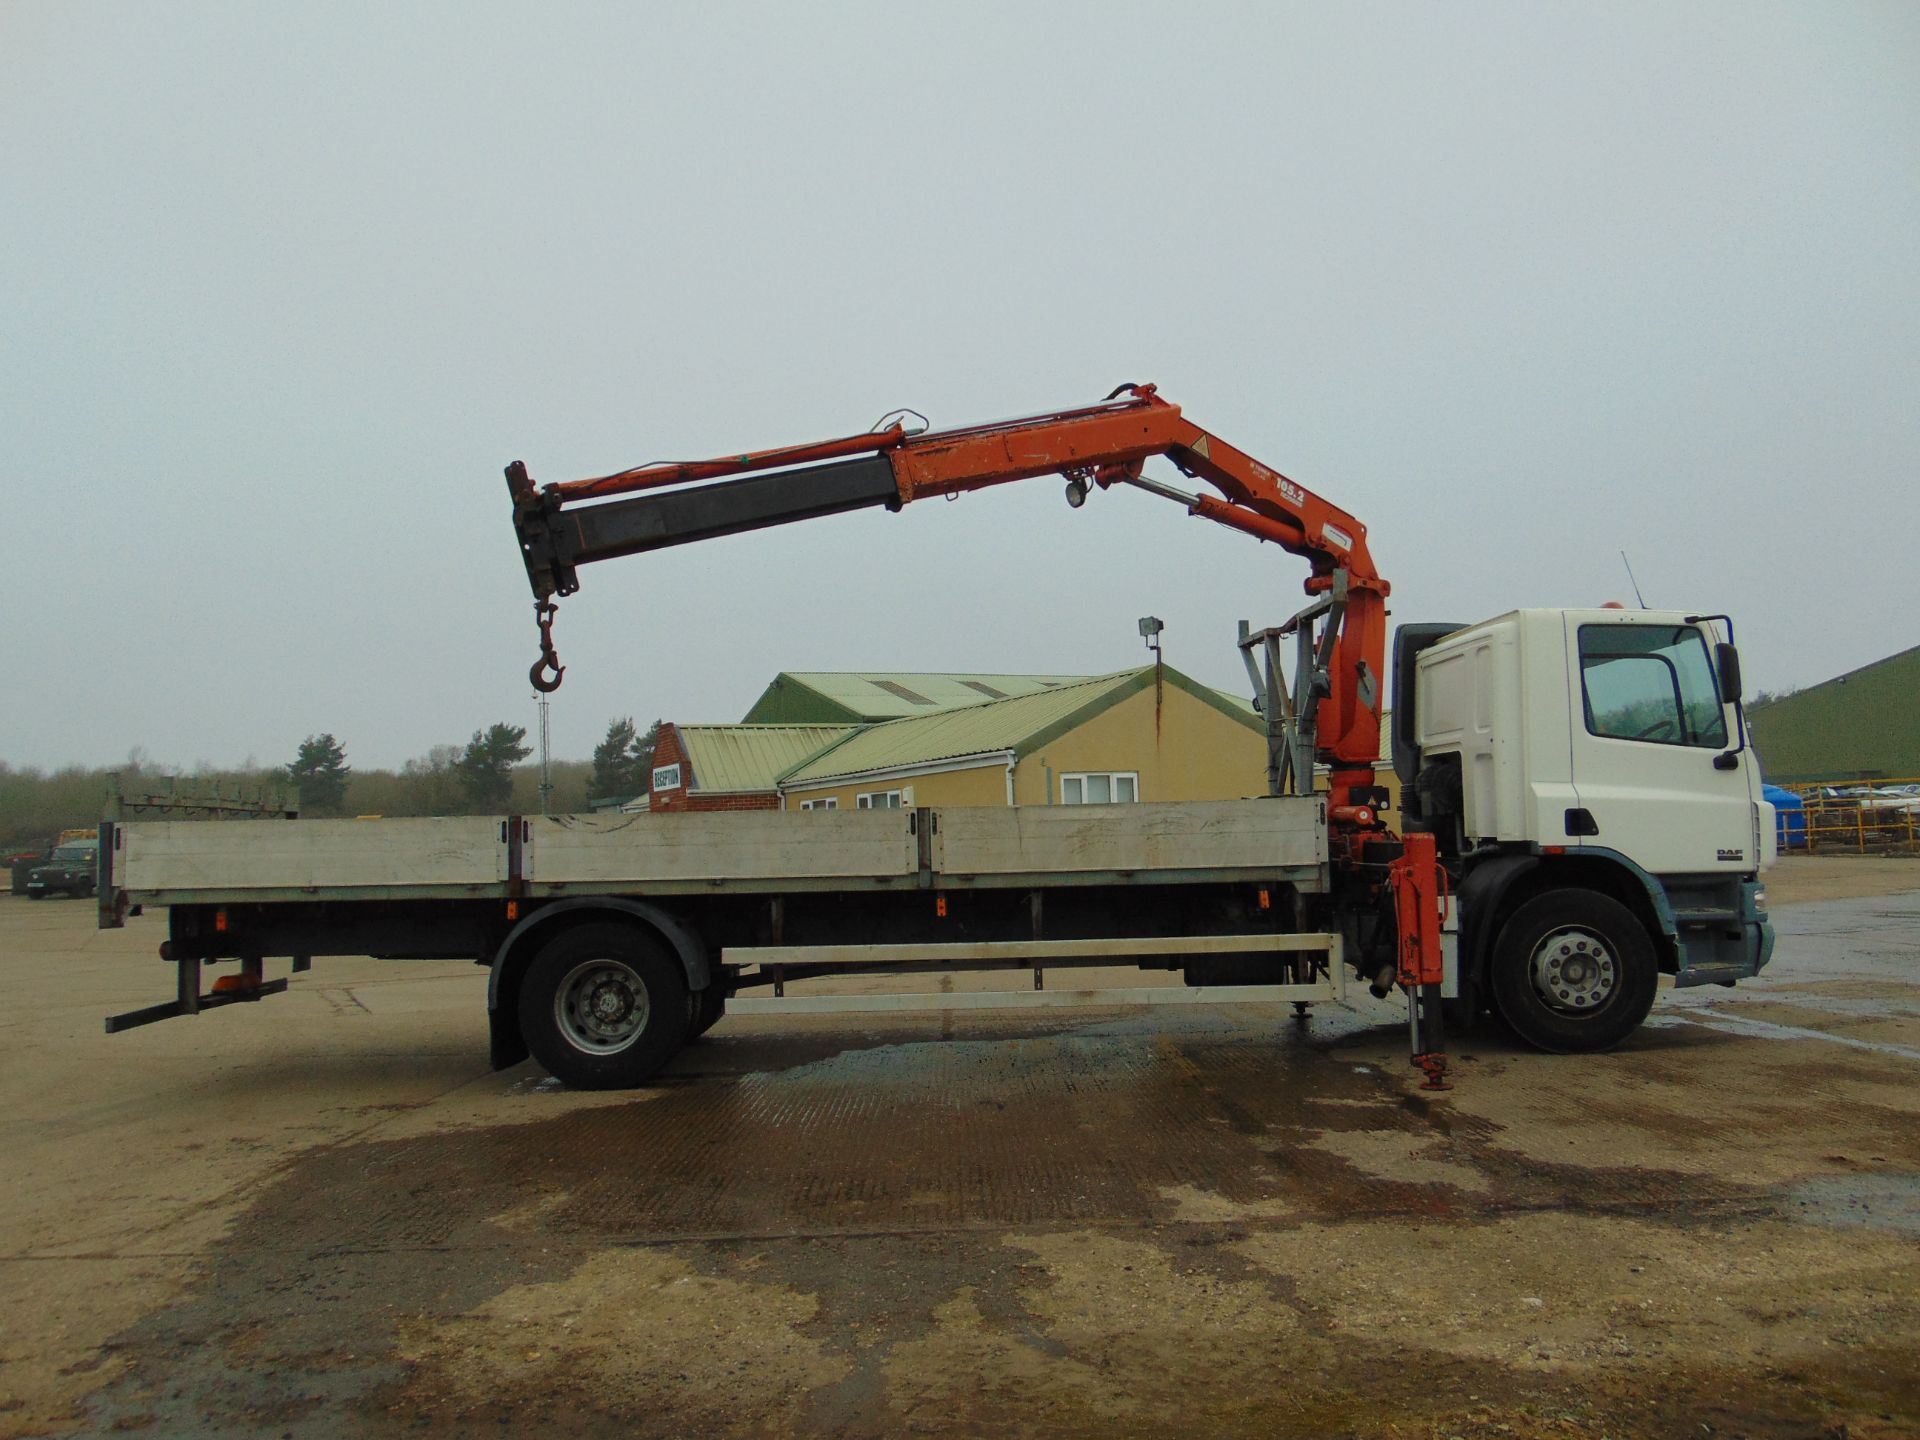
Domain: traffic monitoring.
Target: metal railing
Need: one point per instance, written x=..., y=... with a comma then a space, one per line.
x=1878, y=817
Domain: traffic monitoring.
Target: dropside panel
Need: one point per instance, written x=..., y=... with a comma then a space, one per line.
x=1252, y=837
x=750, y=848
x=244, y=855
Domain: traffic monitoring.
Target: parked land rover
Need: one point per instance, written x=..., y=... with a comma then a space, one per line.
x=72, y=869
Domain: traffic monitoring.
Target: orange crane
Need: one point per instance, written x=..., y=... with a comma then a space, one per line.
x=1330, y=716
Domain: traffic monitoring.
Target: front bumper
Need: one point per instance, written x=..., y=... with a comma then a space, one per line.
x=1756, y=923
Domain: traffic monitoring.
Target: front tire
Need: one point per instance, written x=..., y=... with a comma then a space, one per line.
x=603, y=1007
x=1573, y=972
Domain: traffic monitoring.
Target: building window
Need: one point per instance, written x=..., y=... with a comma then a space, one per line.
x=1112, y=787
x=666, y=777
x=878, y=800
x=832, y=802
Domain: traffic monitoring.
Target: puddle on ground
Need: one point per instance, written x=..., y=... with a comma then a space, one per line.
x=1870, y=1202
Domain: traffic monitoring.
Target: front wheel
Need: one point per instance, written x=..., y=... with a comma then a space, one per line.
x=603, y=1007
x=1573, y=971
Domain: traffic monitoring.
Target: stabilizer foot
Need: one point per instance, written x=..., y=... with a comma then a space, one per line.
x=1434, y=1066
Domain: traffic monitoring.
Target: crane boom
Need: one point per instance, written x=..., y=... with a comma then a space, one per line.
x=566, y=525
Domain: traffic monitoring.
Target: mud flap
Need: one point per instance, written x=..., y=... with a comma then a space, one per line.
x=506, y=1047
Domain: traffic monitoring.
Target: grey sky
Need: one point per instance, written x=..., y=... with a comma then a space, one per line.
x=1518, y=285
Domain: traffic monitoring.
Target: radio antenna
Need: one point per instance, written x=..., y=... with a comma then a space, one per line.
x=1630, y=580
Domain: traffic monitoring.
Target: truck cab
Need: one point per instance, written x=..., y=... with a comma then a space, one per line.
x=1597, y=756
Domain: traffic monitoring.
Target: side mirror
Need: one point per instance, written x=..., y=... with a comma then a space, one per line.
x=1728, y=660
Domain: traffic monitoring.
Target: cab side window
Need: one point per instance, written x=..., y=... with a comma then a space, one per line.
x=1652, y=683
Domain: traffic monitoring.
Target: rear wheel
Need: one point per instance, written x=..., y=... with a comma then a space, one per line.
x=704, y=1009
x=603, y=1007
x=1573, y=971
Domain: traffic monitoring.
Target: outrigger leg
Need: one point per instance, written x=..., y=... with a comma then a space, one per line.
x=1420, y=902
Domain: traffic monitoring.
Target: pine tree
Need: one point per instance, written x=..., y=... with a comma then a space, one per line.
x=622, y=761
x=320, y=770
x=643, y=757
x=486, y=767
x=615, y=774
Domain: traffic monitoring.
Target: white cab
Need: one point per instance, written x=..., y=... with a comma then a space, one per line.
x=1614, y=716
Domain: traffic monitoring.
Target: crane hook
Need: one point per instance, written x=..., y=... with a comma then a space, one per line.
x=544, y=611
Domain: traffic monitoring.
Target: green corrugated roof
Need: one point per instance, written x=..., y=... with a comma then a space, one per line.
x=1021, y=724
x=825, y=697
x=1861, y=725
x=1242, y=706
x=730, y=758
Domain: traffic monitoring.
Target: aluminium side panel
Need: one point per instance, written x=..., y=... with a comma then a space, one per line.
x=246, y=857
x=744, y=849
x=1200, y=839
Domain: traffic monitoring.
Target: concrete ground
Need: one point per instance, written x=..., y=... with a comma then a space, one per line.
x=324, y=1216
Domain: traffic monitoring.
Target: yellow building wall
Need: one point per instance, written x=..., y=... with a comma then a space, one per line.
x=986, y=785
x=1194, y=753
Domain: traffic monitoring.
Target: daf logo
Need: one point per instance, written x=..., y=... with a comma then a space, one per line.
x=1734, y=855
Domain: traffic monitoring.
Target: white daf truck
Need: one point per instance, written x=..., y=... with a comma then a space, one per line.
x=1583, y=774
x=1581, y=812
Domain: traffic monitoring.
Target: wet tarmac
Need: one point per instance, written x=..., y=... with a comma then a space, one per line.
x=1210, y=1220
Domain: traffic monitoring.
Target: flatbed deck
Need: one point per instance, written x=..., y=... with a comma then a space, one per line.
x=611, y=938
x=747, y=852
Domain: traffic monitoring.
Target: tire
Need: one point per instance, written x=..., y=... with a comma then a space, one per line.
x=603, y=1007
x=704, y=1009
x=1573, y=972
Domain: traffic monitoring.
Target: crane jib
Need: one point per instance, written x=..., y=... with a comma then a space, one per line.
x=554, y=542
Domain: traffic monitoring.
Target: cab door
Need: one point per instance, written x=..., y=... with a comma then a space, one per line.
x=1649, y=723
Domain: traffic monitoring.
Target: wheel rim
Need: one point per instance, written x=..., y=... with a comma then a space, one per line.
x=601, y=1006
x=1574, y=971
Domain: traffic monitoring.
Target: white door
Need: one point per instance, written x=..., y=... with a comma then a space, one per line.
x=1648, y=724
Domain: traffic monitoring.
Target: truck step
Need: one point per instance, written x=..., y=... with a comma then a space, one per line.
x=1715, y=916
x=1712, y=975
x=1325, y=991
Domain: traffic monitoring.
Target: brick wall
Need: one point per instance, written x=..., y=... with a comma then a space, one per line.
x=765, y=800
x=668, y=750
